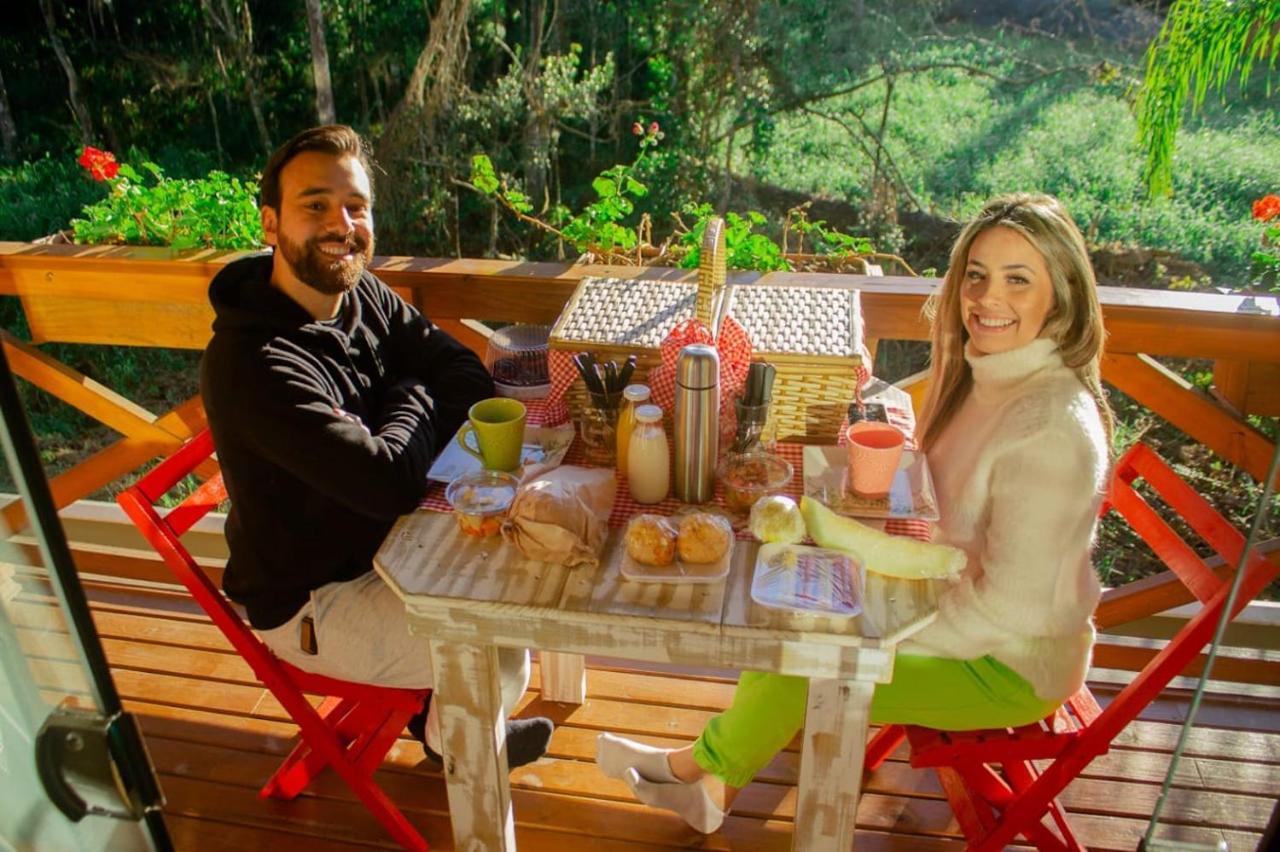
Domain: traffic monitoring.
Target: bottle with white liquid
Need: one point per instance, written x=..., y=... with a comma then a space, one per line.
x=648, y=457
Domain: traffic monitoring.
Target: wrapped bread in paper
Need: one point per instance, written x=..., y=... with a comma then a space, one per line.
x=562, y=516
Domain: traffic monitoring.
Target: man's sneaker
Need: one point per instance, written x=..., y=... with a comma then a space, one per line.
x=527, y=739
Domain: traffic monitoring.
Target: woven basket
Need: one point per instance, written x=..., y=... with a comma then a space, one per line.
x=617, y=317
x=812, y=335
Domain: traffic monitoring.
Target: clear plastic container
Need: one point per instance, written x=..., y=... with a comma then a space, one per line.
x=812, y=580
x=653, y=548
x=481, y=500
x=633, y=396
x=747, y=477
x=516, y=357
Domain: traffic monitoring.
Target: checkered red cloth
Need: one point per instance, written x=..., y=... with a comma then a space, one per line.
x=541, y=412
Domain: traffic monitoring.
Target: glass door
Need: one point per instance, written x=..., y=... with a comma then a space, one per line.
x=74, y=773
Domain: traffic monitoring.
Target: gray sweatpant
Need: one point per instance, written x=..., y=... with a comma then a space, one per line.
x=362, y=635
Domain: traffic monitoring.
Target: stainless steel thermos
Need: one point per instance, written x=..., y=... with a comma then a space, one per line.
x=697, y=422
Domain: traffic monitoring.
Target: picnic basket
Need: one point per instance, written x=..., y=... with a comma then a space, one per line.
x=812, y=335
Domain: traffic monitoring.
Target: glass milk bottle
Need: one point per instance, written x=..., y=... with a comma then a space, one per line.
x=648, y=457
x=633, y=396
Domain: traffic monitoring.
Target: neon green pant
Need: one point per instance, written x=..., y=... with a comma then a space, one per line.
x=952, y=695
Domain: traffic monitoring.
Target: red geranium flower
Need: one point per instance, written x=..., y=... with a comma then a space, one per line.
x=101, y=164
x=1266, y=208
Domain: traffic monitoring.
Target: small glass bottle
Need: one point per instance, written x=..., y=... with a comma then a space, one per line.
x=633, y=396
x=648, y=457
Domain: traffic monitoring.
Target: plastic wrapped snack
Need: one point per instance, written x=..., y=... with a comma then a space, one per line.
x=703, y=538
x=562, y=516
x=807, y=579
x=651, y=540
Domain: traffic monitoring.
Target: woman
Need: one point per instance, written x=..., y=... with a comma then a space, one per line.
x=1017, y=433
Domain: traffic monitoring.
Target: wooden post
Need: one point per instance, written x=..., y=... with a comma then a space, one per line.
x=473, y=740
x=835, y=738
x=564, y=677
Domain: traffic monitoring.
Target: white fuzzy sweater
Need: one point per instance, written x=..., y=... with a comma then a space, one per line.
x=1020, y=472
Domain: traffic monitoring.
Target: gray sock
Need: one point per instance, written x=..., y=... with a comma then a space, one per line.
x=615, y=755
x=690, y=801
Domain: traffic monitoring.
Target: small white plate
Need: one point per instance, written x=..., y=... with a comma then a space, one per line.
x=826, y=479
x=544, y=448
x=677, y=571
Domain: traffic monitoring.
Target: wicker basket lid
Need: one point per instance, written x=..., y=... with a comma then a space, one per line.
x=812, y=321
x=624, y=311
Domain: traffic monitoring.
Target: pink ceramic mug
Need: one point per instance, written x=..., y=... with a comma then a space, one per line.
x=874, y=452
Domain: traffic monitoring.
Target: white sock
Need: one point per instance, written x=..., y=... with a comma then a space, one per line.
x=690, y=801
x=615, y=755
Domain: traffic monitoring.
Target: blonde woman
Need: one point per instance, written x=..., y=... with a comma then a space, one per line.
x=1017, y=433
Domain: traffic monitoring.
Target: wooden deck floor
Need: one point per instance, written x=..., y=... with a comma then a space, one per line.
x=215, y=735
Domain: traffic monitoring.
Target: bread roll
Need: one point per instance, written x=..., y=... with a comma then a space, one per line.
x=651, y=540
x=703, y=537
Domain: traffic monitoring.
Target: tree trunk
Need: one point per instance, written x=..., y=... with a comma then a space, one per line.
x=320, y=63
x=410, y=132
x=536, y=138
x=84, y=122
x=8, y=130
x=251, y=75
x=238, y=35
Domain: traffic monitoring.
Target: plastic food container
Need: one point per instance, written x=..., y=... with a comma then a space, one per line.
x=807, y=579
x=480, y=501
x=749, y=476
x=516, y=357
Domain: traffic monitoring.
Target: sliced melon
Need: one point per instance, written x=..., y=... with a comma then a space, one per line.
x=893, y=555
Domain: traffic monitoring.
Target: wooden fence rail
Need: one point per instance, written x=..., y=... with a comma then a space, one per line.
x=152, y=297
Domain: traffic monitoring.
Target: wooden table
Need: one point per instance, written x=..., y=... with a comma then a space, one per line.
x=472, y=596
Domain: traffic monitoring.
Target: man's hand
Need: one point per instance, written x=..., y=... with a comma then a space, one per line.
x=351, y=418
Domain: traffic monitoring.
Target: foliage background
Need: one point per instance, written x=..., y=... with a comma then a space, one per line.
x=893, y=120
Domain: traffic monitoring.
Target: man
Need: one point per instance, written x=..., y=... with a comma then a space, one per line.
x=328, y=397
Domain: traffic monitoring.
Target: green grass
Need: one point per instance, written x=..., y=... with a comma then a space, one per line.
x=959, y=139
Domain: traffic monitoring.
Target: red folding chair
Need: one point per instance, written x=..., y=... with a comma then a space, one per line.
x=353, y=728
x=996, y=791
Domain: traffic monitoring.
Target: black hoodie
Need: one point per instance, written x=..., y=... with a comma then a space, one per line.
x=324, y=430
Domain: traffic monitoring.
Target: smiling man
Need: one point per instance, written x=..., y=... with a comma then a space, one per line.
x=328, y=398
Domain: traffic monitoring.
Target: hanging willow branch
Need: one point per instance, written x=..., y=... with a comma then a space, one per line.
x=1203, y=44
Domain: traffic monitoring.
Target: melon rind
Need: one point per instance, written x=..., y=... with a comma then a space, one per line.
x=891, y=555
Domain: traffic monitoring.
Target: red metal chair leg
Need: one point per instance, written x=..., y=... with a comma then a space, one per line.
x=883, y=744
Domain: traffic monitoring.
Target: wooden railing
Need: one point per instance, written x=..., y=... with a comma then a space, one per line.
x=150, y=297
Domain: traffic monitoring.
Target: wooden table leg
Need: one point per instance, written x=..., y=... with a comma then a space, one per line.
x=564, y=677
x=835, y=738
x=473, y=735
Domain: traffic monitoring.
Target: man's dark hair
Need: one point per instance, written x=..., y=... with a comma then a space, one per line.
x=336, y=139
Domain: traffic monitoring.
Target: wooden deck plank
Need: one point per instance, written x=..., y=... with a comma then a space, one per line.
x=215, y=736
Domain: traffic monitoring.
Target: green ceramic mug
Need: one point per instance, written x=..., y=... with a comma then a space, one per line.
x=497, y=425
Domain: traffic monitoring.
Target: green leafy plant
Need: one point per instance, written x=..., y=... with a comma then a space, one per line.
x=599, y=228
x=744, y=248
x=216, y=211
x=1203, y=44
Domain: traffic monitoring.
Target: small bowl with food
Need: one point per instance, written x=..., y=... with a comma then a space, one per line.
x=481, y=500
x=747, y=477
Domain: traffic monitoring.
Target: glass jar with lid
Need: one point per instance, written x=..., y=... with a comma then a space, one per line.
x=633, y=396
x=648, y=457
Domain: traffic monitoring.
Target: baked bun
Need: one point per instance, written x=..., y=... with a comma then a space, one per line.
x=703, y=537
x=651, y=540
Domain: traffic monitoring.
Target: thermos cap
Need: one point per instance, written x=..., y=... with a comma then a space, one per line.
x=698, y=366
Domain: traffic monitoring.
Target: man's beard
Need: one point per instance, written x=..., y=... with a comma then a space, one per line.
x=322, y=272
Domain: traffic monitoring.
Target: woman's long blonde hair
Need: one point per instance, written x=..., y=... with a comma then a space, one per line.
x=1074, y=321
